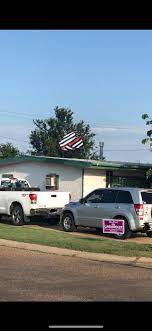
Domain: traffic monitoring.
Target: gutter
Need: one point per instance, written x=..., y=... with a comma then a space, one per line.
x=116, y=166
x=133, y=261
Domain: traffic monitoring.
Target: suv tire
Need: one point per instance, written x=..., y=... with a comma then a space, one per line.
x=127, y=233
x=68, y=223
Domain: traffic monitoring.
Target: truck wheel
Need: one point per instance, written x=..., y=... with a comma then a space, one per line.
x=68, y=224
x=149, y=233
x=27, y=219
x=17, y=215
x=127, y=233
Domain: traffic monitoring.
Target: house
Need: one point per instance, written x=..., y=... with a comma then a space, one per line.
x=77, y=176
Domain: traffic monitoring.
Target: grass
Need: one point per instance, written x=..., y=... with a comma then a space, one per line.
x=65, y=240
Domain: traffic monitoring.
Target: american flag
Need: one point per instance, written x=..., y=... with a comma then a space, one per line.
x=70, y=142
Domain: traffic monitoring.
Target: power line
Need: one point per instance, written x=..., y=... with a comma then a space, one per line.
x=36, y=115
x=30, y=116
x=126, y=150
x=10, y=138
x=106, y=150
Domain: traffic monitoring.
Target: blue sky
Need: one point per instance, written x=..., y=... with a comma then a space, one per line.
x=104, y=76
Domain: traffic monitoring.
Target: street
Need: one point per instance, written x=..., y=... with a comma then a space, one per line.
x=33, y=276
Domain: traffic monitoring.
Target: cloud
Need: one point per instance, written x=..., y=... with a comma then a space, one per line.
x=18, y=135
x=123, y=143
x=112, y=128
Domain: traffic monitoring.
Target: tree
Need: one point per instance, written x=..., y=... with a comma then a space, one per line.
x=148, y=139
x=8, y=150
x=47, y=134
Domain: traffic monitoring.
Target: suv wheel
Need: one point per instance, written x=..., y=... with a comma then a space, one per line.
x=127, y=233
x=68, y=224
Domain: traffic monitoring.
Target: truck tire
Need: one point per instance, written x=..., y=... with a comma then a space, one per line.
x=149, y=234
x=17, y=215
x=68, y=223
x=127, y=233
x=27, y=219
x=53, y=222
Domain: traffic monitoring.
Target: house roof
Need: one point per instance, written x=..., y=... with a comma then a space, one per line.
x=81, y=163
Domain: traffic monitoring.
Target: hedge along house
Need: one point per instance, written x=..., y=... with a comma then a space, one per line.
x=77, y=176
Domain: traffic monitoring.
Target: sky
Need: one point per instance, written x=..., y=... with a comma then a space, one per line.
x=103, y=76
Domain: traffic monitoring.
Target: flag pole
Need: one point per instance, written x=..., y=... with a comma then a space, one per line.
x=84, y=150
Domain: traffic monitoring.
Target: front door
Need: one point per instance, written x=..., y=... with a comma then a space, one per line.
x=107, y=209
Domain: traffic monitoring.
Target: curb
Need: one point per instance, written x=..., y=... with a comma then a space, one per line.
x=125, y=260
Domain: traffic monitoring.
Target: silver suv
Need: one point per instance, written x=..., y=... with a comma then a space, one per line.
x=133, y=205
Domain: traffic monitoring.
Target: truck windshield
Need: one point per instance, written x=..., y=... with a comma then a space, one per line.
x=147, y=197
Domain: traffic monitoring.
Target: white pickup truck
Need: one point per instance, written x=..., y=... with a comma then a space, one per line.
x=20, y=201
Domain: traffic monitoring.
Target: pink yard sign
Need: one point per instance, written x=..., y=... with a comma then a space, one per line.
x=113, y=226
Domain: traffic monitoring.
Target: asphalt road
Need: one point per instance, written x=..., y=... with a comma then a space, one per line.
x=33, y=276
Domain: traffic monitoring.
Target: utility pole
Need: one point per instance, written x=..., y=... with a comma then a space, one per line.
x=101, y=144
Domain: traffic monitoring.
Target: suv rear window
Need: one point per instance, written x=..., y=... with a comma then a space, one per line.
x=124, y=197
x=147, y=197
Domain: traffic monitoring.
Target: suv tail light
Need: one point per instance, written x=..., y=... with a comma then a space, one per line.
x=33, y=197
x=139, y=209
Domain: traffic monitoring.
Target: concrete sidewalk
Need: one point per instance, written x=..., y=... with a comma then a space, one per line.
x=132, y=261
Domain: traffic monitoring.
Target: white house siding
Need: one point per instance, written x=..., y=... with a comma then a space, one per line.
x=70, y=178
x=93, y=179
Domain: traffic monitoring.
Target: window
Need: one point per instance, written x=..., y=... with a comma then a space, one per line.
x=95, y=197
x=124, y=197
x=128, y=181
x=22, y=184
x=110, y=196
x=5, y=183
x=147, y=198
x=52, y=182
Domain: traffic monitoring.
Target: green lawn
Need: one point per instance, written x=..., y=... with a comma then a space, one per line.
x=64, y=240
